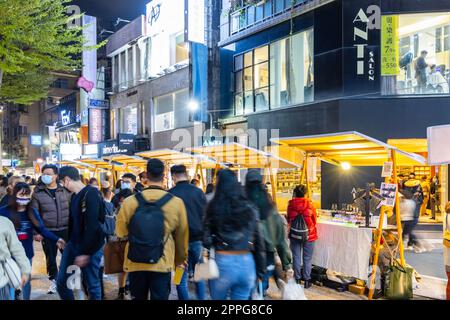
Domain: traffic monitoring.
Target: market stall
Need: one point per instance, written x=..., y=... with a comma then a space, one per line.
x=436, y=189
x=349, y=149
x=122, y=164
x=86, y=170
x=196, y=163
x=98, y=166
x=239, y=156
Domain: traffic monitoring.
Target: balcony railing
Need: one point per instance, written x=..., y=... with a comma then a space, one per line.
x=244, y=14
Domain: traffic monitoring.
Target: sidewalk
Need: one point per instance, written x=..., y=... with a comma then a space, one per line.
x=40, y=285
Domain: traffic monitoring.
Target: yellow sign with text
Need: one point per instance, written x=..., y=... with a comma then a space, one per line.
x=390, y=54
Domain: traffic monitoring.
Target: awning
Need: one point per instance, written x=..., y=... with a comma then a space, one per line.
x=75, y=164
x=177, y=157
x=96, y=163
x=239, y=155
x=351, y=147
x=127, y=161
x=410, y=145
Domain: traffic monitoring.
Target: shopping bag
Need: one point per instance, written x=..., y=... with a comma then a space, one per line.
x=114, y=254
x=398, y=282
x=207, y=270
x=293, y=291
x=258, y=293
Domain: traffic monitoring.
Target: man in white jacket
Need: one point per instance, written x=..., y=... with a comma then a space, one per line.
x=10, y=247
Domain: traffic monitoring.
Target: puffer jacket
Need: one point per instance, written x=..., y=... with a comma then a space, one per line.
x=54, y=212
x=304, y=207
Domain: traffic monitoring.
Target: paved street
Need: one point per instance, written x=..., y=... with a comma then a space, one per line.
x=40, y=285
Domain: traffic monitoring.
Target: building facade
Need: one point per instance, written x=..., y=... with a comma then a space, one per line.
x=320, y=66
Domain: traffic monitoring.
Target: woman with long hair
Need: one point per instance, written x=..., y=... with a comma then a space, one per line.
x=232, y=231
x=302, y=251
x=273, y=227
x=26, y=219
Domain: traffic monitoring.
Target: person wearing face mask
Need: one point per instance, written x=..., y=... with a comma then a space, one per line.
x=11, y=183
x=51, y=200
x=128, y=182
x=86, y=236
x=26, y=219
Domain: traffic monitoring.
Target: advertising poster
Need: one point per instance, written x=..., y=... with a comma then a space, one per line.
x=388, y=191
x=389, y=46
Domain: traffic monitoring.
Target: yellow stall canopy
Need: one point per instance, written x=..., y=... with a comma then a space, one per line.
x=96, y=163
x=410, y=145
x=239, y=155
x=351, y=147
x=177, y=157
x=126, y=161
x=76, y=164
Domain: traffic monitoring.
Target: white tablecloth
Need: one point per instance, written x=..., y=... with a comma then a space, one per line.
x=343, y=248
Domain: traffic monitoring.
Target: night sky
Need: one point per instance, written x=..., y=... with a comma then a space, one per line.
x=109, y=10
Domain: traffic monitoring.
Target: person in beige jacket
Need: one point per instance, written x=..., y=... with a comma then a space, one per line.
x=156, y=278
x=10, y=247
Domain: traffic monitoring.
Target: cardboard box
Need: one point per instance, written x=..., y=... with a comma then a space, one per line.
x=353, y=288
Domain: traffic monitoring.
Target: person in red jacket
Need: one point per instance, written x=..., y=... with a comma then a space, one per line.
x=300, y=205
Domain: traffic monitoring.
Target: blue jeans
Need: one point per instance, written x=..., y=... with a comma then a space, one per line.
x=90, y=273
x=26, y=290
x=302, y=252
x=237, y=276
x=195, y=256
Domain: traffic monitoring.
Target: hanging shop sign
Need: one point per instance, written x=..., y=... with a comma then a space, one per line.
x=102, y=104
x=36, y=140
x=390, y=59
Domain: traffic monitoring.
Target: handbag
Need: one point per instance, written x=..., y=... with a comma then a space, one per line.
x=398, y=282
x=207, y=270
x=12, y=272
x=114, y=254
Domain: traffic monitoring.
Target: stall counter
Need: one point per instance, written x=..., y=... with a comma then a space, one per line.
x=343, y=248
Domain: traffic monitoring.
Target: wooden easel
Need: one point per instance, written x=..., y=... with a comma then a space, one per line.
x=379, y=230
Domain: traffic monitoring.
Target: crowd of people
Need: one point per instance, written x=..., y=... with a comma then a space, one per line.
x=233, y=227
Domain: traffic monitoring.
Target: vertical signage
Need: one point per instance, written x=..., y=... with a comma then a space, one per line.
x=95, y=125
x=390, y=54
x=196, y=21
x=361, y=53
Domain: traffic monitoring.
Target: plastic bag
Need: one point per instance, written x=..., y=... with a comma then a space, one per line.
x=293, y=291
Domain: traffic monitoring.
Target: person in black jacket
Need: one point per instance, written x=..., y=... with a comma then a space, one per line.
x=86, y=237
x=233, y=230
x=195, y=202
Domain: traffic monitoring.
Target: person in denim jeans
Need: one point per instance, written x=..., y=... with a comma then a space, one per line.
x=195, y=202
x=233, y=231
x=195, y=255
x=302, y=252
x=86, y=237
x=90, y=273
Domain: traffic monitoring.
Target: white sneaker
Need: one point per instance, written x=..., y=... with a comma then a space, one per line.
x=418, y=249
x=409, y=248
x=52, y=289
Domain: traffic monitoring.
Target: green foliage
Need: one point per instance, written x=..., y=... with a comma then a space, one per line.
x=35, y=40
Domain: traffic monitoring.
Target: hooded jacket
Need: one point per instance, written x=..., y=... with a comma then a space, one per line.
x=304, y=207
x=53, y=211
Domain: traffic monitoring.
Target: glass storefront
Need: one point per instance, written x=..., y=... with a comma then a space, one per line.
x=128, y=120
x=165, y=108
x=420, y=44
x=276, y=75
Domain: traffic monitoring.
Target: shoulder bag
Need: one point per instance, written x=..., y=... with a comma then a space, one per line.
x=12, y=272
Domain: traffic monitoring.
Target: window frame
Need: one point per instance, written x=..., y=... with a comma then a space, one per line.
x=268, y=87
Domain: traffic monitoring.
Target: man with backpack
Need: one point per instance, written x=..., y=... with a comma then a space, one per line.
x=155, y=223
x=86, y=236
x=195, y=201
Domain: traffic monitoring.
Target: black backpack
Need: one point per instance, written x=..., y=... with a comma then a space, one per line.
x=146, y=231
x=109, y=226
x=299, y=229
x=102, y=214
